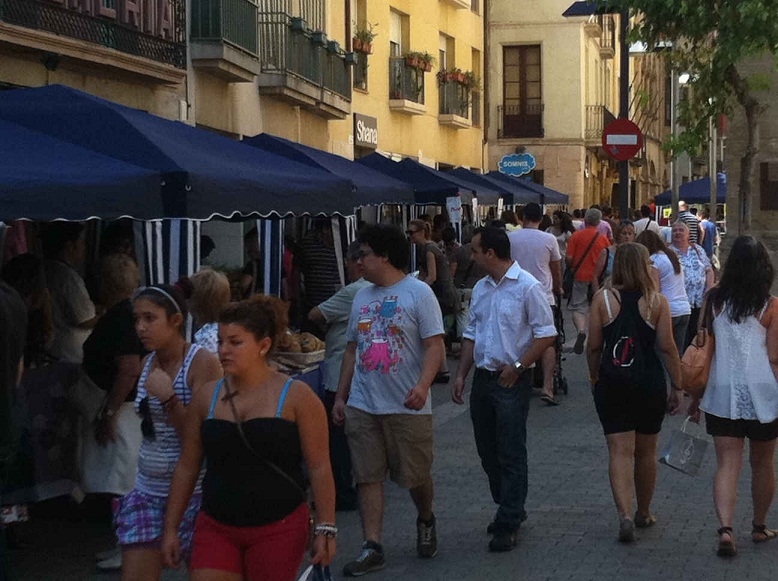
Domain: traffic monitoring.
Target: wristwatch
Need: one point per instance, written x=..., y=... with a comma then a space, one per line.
x=519, y=367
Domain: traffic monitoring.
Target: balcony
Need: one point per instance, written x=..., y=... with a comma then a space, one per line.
x=608, y=37
x=406, y=88
x=147, y=38
x=597, y=118
x=300, y=67
x=458, y=4
x=520, y=121
x=224, y=39
x=593, y=27
x=454, y=108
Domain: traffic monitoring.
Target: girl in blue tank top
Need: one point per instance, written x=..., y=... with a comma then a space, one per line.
x=254, y=429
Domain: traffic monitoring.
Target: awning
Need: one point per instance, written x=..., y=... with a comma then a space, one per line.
x=587, y=9
x=503, y=189
x=545, y=194
x=372, y=187
x=203, y=174
x=43, y=178
x=696, y=192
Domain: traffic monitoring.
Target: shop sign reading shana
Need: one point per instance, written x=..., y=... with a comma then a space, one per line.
x=365, y=131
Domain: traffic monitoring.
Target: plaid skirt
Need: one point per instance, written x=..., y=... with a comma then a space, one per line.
x=140, y=519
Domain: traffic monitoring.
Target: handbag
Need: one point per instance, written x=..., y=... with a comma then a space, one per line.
x=569, y=277
x=696, y=360
x=684, y=452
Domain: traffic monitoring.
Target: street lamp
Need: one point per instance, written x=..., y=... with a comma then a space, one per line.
x=589, y=9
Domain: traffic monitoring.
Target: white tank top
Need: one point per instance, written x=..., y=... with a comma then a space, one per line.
x=741, y=385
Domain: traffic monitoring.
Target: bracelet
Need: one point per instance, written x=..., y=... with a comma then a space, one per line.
x=325, y=530
x=170, y=403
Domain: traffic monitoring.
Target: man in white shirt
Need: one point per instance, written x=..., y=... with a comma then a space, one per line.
x=509, y=328
x=647, y=222
x=537, y=252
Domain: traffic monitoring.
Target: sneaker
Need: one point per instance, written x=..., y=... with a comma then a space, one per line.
x=370, y=559
x=578, y=348
x=504, y=540
x=426, y=539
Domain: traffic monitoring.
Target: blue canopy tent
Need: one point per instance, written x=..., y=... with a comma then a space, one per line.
x=696, y=192
x=545, y=195
x=482, y=181
x=372, y=187
x=41, y=176
x=203, y=174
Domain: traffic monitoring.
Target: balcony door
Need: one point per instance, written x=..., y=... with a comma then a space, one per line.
x=522, y=94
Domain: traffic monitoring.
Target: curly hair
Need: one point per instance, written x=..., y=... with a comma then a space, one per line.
x=261, y=315
x=746, y=279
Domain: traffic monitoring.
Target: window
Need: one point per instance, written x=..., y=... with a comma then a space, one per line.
x=475, y=6
x=395, y=34
x=360, y=71
x=768, y=185
x=312, y=11
x=475, y=91
x=522, y=109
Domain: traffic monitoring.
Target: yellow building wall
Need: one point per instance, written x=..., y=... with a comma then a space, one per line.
x=417, y=135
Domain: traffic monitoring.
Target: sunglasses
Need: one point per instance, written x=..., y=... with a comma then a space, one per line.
x=146, y=424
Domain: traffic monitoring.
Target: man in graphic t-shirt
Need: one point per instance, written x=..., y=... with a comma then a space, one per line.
x=394, y=350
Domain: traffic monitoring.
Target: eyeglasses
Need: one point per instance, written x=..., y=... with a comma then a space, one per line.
x=146, y=424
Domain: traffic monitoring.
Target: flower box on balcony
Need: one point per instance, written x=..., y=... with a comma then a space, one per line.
x=351, y=58
x=297, y=24
x=319, y=38
x=333, y=46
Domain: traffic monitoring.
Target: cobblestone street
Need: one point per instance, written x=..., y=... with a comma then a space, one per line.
x=570, y=533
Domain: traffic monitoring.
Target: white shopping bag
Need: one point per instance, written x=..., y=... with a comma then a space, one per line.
x=684, y=451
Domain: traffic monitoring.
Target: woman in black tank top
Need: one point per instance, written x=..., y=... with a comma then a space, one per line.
x=630, y=325
x=254, y=430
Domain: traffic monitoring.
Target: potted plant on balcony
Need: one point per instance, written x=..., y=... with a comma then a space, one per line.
x=363, y=38
x=350, y=58
x=471, y=81
x=412, y=59
x=426, y=60
x=297, y=24
x=333, y=46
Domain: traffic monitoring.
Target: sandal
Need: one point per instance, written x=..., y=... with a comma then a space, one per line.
x=643, y=522
x=761, y=534
x=626, y=531
x=726, y=548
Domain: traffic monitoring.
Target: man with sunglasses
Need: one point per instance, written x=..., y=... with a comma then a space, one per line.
x=394, y=350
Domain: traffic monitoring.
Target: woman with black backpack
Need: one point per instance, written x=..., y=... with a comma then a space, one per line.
x=630, y=337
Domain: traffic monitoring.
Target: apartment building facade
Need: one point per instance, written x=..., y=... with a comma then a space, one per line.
x=553, y=86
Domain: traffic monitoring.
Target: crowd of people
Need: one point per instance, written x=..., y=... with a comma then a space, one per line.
x=217, y=460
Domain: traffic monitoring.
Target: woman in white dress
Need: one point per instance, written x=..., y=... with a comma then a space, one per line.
x=741, y=398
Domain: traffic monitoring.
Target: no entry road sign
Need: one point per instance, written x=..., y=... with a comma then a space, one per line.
x=622, y=139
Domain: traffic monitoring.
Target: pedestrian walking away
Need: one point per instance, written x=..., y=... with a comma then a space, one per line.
x=741, y=397
x=394, y=350
x=629, y=331
x=509, y=328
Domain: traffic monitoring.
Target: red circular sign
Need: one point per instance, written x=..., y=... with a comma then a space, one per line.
x=622, y=139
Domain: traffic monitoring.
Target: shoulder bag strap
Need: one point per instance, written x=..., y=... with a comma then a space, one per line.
x=228, y=395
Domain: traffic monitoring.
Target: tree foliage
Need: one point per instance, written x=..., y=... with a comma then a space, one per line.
x=710, y=38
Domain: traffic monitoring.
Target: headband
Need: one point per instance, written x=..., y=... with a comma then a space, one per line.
x=161, y=291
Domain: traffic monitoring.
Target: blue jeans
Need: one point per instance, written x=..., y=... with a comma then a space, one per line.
x=499, y=416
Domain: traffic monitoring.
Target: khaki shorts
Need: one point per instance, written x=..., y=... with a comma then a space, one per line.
x=579, y=299
x=399, y=443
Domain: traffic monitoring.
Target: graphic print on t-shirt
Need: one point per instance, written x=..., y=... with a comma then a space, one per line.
x=379, y=339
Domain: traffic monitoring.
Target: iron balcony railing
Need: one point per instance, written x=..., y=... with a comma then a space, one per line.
x=230, y=21
x=597, y=118
x=454, y=99
x=301, y=53
x=520, y=120
x=56, y=18
x=475, y=102
x=405, y=82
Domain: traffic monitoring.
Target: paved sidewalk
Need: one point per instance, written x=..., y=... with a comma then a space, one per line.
x=570, y=533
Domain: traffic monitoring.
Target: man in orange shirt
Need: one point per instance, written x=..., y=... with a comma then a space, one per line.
x=583, y=248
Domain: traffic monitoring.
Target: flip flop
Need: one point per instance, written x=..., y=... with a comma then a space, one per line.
x=761, y=534
x=549, y=400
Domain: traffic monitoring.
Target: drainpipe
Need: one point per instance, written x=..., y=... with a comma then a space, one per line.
x=485, y=97
x=191, y=117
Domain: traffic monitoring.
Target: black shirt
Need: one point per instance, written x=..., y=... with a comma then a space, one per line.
x=113, y=336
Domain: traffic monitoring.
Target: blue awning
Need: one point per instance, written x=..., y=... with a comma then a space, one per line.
x=587, y=9
x=43, y=178
x=545, y=194
x=373, y=187
x=696, y=192
x=430, y=185
x=482, y=181
x=204, y=174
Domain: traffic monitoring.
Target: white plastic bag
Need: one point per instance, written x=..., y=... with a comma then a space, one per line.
x=684, y=451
